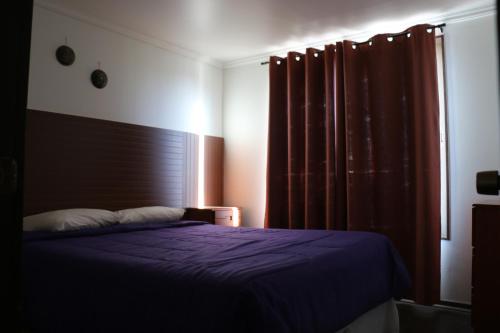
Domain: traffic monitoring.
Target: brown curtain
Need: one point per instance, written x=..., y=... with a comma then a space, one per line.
x=354, y=144
x=306, y=147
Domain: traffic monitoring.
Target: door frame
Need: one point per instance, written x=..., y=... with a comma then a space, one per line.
x=17, y=20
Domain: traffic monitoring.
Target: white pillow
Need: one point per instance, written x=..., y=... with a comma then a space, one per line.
x=69, y=219
x=150, y=214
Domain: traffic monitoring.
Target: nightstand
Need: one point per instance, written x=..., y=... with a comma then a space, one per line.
x=227, y=216
x=197, y=214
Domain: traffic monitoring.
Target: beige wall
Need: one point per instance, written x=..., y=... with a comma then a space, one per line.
x=245, y=134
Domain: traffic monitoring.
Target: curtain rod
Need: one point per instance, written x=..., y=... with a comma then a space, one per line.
x=440, y=26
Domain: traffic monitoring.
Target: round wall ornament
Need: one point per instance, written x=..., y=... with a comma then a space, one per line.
x=99, y=78
x=65, y=55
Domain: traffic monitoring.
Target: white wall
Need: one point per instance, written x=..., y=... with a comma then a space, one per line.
x=472, y=90
x=147, y=85
x=246, y=99
x=474, y=140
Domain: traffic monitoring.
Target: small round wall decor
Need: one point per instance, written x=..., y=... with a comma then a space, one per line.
x=65, y=55
x=99, y=79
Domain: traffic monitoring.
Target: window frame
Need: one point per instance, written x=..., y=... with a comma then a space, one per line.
x=443, y=109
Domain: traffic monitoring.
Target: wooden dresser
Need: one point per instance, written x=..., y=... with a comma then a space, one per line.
x=485, y=312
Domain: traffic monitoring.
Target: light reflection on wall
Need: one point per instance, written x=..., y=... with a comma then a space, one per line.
x=201, y=171
x=358, y=34
x=199, y=128
x=236, y=217
x=199, y=125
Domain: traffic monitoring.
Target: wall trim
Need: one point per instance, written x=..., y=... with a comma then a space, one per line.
x=152, y=41
x=448, y=18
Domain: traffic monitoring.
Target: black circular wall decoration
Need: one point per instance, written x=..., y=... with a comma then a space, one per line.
x=99, y=79
x=65, y=55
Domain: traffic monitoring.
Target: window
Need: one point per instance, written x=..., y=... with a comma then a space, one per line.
x=443, y=127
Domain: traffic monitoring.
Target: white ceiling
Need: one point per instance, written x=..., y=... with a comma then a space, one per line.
x=228, y=30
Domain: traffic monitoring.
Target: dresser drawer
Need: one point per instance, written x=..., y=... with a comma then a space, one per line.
x=224, y=213
x=224, y=221
x=227, y=216
x=485, y=290
x=224, y=217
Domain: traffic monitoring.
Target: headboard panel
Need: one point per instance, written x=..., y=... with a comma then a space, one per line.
x=82, y=162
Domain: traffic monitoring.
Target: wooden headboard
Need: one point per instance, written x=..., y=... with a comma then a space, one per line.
x=81, y=162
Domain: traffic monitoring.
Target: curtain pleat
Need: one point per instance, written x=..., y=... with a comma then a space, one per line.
x=335, y=104
x=296, y=140
x=306, y=148
x=354, y=144
x=426, y=138
x=316, y=181
x=277, y=154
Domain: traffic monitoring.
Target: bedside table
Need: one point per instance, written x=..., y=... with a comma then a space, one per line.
x=227, y=216
x=199, y=214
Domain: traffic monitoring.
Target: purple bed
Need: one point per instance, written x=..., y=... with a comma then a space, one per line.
x=195, y=277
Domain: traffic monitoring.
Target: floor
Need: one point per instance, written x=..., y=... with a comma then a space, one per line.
x=415, y=318
x=430, y=319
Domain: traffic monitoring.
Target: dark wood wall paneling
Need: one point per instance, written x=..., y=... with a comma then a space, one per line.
x=81, y=162
x=214, y=171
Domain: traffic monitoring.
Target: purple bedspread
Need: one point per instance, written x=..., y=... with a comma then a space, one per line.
x=196, y=277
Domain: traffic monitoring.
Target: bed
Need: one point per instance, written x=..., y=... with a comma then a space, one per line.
x=181, y=276
x=191, y=276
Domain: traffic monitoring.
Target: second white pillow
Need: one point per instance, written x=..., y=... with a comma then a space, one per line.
x=150, y=214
